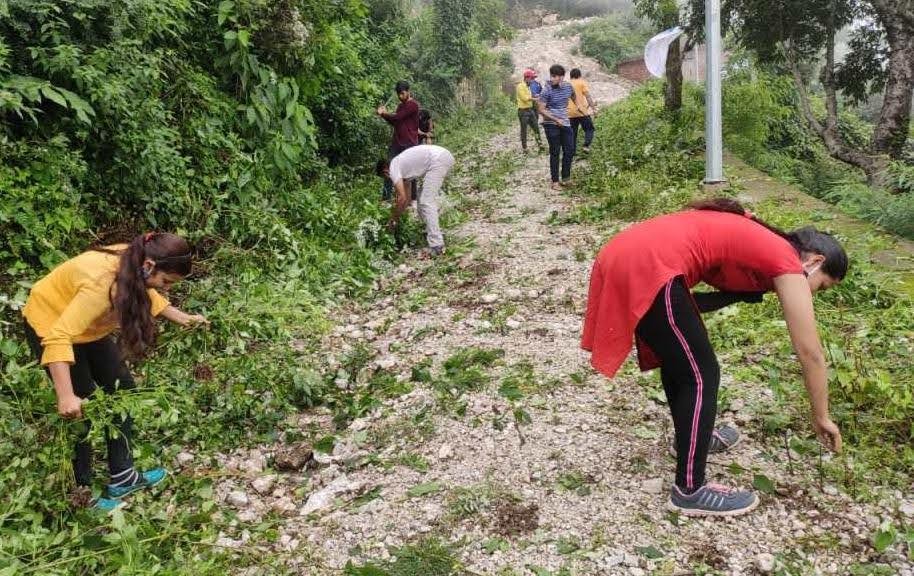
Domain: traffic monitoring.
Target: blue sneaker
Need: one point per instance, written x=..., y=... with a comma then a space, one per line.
x=712, y=500
x=106, y=505
x=144, y=480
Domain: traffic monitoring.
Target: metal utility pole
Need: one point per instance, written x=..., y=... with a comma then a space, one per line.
x=714, y=163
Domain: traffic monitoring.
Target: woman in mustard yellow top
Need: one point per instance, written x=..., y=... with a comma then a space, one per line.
x=70, y=316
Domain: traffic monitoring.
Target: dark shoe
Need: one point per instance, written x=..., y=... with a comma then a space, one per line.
x=712, y=500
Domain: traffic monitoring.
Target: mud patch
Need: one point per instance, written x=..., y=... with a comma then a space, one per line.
x=513, y=518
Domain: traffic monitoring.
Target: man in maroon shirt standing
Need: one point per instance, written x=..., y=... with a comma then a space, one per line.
x=406, y=126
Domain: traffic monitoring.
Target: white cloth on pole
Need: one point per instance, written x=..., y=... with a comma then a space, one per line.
x=656, y=49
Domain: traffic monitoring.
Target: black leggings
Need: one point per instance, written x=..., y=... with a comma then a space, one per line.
x=98, y=363
x=690, y=373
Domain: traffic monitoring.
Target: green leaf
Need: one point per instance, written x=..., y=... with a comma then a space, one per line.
x=423, y=489
x=54, y=96
x=538, y=570
x=522, y=417
x=511, y=391
x=763, y=483
x=225, y=9
x=883, y=539
x=649, y=552
x=325, y=444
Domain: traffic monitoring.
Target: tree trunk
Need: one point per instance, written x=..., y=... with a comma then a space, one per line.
x=891, y=130
x=874, y=166
x=672, y=90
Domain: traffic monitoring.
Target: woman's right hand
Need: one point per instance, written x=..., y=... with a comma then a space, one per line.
x=70, y=407
x=828, y=433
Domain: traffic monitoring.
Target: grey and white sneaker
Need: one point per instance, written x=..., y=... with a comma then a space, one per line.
x=723, y=438
x=712, y=500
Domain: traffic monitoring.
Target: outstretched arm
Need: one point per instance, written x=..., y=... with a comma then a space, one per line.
x=183, y=318
x=401, y=203
x=796, y=301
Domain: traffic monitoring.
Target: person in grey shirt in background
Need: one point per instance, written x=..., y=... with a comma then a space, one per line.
x=432, y=164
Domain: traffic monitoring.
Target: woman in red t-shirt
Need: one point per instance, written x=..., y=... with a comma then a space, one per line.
x=640, y=288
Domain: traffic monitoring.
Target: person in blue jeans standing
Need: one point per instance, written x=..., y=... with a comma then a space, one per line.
x=553, y=107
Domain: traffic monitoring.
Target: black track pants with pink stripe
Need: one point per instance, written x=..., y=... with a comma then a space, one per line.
x=690, y=373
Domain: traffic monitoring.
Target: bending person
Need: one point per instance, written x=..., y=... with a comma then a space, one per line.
x=69, y=317
x=640, y=287
x=432, y=164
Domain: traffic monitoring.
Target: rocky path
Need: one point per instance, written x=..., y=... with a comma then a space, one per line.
x=507, y=447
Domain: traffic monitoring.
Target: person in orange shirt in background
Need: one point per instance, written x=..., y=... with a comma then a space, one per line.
x=69, y=318
x=581, y=110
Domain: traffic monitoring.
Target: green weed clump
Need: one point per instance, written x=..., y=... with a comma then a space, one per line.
x=425, y=558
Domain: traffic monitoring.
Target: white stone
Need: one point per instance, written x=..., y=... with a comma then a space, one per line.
x=184, y=458
x=630, y=560
x=489, y=298
x=255, y=462
x=532, y=293
x=907, y=508
x=513, y=324
x=513, y=293
x=387, y=362
x=322, y=458
x=264, y=484
x=764, y=562
x=324, y=497
x=830, y=490
x=652, y=486
x=614, y=559
x=356, y=334
x=635, y=571
x=226, y=542
x=238, y=499
x=283, y=506
x=445, y=452
x=737, y=404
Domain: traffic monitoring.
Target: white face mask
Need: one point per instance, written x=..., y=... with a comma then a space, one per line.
x=815, y=269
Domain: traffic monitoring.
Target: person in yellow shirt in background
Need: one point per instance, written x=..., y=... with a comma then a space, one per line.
x=581, y=110
x=70, y=315
x=526, y=111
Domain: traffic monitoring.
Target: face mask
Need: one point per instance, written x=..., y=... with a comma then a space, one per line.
x=809, y=273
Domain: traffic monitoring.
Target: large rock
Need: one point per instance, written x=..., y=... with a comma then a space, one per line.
x=237, y=499
x=293, y=458
x=264, y=484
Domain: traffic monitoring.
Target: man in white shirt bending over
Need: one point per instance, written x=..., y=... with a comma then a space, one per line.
x=431, y=163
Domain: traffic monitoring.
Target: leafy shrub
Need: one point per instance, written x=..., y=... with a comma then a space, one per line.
x=611, y=39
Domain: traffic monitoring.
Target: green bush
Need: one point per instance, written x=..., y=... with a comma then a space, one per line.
x=762, y=125
x=611, y=39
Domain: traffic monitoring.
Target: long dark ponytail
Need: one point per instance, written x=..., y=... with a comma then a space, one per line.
x=129, y=295
x=807, y=239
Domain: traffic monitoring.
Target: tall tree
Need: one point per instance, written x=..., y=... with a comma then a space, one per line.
x=800, y=35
